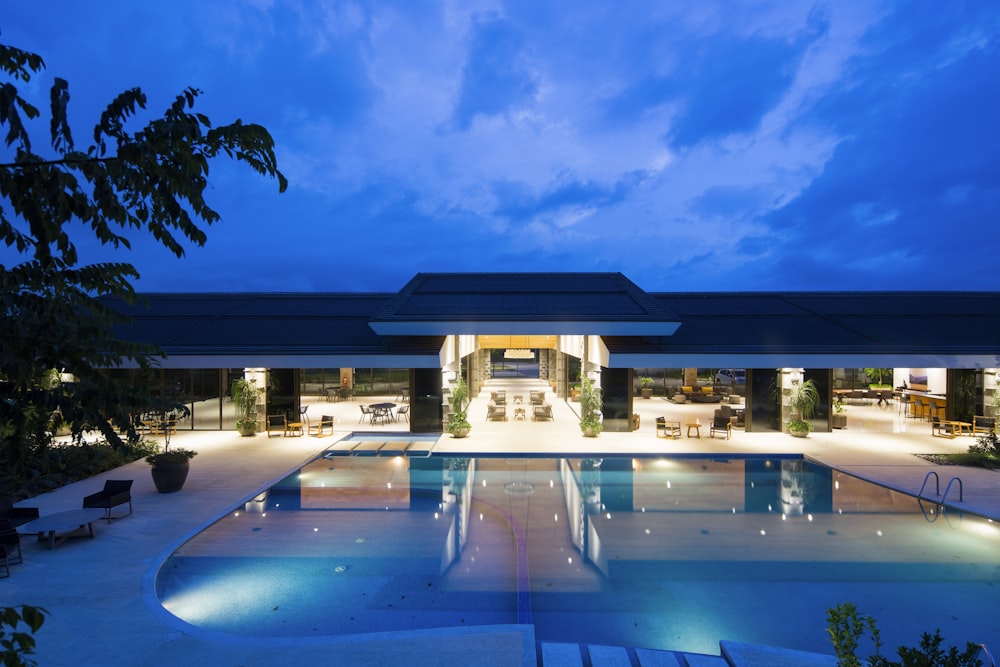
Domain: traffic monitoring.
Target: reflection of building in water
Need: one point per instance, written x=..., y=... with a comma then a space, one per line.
x=793, y=483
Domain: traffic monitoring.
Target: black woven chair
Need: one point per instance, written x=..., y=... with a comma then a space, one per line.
x=17, y=515
x=116, y=492
x=10, y=546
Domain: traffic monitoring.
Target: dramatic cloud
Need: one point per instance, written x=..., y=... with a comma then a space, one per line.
x=692, y=146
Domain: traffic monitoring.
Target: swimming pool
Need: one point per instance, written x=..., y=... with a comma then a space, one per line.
x=662, y=553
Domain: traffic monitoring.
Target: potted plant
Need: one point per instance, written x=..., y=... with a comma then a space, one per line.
x=170, y=467
x=646, y=386
x=803, y=401
x=590, y=409
x=246, y=395
x=458, y=422
x=839, y=419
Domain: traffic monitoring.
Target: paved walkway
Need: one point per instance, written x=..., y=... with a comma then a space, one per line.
x=94, y=589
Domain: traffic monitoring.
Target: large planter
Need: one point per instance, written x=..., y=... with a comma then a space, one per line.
x=799, y=433
x=248, y=431
x=646, y=392
x=838, y=421
x=590, y=433
x=170, y=477
x=460, y=432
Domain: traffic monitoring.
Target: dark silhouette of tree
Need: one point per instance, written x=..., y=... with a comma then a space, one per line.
x=133, y=179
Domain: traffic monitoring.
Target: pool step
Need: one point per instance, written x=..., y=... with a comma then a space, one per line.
x=734, y=654
x=555, y=654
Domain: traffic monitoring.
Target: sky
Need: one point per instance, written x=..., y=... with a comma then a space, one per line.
x=710, y=145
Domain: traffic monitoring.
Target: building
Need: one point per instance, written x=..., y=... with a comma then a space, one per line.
x=944, y=346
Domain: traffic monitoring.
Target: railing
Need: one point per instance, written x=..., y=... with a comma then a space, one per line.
x=961, y=490
x=937, y=484
x=937, y=487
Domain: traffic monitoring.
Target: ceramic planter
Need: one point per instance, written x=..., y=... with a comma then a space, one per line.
x=170, y=477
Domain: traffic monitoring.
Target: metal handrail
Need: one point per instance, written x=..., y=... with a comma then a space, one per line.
x=937, y=484
x=961, y=489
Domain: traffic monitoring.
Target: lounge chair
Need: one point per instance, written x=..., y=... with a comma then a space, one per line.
x=319, y=428
x=276, y=423
x=543, y=411
x=496, y=412
x=17, y=515
x=721, y=424
x=983, y=425
x=10, y=544
x=668, y=428
x=116, y=492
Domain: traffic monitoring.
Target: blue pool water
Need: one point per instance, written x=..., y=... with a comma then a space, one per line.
x=661, y=553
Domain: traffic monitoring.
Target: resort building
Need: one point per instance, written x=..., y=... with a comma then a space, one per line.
x=937, y=352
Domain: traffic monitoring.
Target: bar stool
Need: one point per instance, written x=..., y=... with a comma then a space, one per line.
x=918, y=408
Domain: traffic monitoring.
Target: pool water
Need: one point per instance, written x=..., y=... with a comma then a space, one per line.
x=661, y=553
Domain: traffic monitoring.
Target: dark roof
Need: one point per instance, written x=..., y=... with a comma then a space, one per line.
x=741, y=329
x=933, y=329
x=277, y=329
x=524, y=303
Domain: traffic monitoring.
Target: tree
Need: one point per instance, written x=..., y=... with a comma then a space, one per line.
x=56, y=311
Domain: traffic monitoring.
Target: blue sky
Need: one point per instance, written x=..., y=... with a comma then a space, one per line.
x=693, y=146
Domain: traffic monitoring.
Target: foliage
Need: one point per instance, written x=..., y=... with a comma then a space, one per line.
x=591, y=405
x=170, y=457
x=246, y=395
x=18, y=626
x=877, y=375
x=56, y=311
x=846, y=627
x=459, y=401
x=59, y=464
x=804, y=399
x=798, y=426
x=645, y=382
x=838, y=405
x=987, y=443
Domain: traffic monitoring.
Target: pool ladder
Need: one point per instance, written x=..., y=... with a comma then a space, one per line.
x=937, y=487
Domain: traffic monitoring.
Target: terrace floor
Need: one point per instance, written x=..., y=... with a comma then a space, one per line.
x=98, y=591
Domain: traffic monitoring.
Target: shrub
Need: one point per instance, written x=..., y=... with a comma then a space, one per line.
x=847, y=627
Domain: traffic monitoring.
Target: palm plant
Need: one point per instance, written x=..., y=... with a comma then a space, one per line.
x=246, y=394
x=803, y=401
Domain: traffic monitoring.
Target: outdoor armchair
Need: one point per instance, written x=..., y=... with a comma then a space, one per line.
x=17, y=515
x=116, y=492
x=10, y=544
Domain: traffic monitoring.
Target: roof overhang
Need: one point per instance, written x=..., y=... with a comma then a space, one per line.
x=602, y=304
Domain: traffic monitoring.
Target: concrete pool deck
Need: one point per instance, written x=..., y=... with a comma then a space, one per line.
x=94, y=589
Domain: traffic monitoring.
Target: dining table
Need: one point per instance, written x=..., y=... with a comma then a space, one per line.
x=382, y=412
